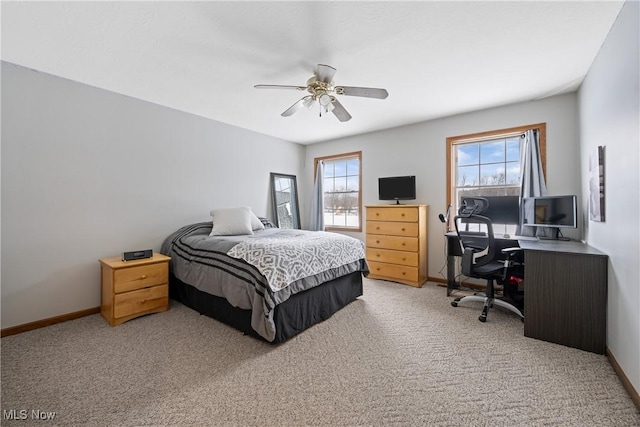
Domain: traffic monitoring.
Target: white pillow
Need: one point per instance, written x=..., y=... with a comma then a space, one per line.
x=231, y=221
x=256, y=224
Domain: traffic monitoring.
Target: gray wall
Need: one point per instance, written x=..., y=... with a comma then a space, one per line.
x=88, y=173
x=609, y=105
x=420, y=150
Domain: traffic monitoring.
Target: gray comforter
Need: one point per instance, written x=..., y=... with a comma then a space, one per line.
x=303, y=260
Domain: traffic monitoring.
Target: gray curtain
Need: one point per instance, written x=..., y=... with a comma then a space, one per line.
x=316, y=222
x=531, y=180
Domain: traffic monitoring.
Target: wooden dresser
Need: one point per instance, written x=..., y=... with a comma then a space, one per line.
x=134, y=288
x=397, y=243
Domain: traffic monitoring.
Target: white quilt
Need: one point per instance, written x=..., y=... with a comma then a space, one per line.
x=292, y=256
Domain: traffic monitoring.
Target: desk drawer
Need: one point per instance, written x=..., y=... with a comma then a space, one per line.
x=393, y=271
x=392, y=242
x=393, y=257
x=393, y=228
x=135, y=302
x=129, y=279
x=392, y=214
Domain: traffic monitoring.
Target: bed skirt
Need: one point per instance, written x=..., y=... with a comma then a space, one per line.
x=293, y=316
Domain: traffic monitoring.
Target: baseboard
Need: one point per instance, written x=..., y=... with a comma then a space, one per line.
x=13, y=330
x=625, y=381
x=437, y=280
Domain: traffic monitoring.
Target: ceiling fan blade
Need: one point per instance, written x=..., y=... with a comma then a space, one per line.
x=325, y=73
x=340, y=112
x=295, y=107
x=367, y=92
x=279, y=87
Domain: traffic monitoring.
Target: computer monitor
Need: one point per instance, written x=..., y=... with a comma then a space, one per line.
x=500, y=209
x=551, y=212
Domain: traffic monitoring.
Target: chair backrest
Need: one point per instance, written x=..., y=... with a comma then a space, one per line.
x=478, y=248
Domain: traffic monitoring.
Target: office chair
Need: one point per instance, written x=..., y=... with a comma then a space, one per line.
x=483, y=259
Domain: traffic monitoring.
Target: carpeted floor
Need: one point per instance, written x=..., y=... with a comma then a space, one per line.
x=396, y=356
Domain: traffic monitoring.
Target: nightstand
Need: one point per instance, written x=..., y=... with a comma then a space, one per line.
x=134, y=288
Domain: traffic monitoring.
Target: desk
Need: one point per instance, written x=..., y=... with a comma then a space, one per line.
x=565, y=290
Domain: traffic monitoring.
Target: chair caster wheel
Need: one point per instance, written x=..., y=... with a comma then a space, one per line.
x=454, y=303
x=482, y=318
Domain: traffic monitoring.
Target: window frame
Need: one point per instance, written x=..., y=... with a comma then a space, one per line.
x=487, y=136
x=351, y=155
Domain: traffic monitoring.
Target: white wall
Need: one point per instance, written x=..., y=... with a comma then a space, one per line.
x=610, y=116
x=420, y=150
x=88, y=173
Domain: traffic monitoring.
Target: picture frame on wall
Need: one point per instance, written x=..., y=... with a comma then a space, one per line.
x=596, y=185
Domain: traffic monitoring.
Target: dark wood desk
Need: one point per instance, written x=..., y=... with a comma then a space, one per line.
x=565, y=291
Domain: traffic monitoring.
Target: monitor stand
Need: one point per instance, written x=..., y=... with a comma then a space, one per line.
x=554, y=234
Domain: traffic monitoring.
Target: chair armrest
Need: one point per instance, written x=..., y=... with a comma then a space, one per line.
x=511, y=251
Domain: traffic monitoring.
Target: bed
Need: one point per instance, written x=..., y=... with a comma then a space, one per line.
x=270, y=283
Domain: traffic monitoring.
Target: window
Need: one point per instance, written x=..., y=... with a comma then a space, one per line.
x=488, y=164
x=341, y=188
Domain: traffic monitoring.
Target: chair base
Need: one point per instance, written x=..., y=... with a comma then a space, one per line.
x=488, y=303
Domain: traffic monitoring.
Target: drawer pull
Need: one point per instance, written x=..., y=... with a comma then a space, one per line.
x=403, y=273
x=144, y=276
x=378, y=255
x=401, y=214
x=377, y=228
x=377, y=241
x=403, y=244
x=403, y=228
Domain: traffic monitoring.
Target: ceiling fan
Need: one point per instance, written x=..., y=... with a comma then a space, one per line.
x=322, y=90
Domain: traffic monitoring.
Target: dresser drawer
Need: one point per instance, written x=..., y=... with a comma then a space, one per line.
x=393, y=228
x=135, y=302
x=132, y=278
x=394, y=271
x=392, y=257
x=392, y=214
x=392, y=242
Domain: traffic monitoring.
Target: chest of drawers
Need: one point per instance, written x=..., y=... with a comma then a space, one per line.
x=133, y=288
x=396, y=240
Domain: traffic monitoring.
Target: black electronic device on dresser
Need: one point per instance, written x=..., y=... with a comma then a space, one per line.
x=134, y=255
x=397, y=188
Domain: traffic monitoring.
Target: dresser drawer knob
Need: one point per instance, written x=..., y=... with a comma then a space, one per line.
x=144, y=276
x=377, y=241
x=377, y=228
x=403, y=243
x=403, y=273
x=401, y=214
x=402, y=228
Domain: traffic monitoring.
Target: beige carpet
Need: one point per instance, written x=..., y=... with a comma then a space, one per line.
x=396, y=356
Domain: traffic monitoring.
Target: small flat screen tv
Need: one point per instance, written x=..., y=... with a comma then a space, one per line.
x=551, y=212
x=397, y=188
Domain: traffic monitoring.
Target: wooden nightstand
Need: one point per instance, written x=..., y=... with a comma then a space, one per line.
x=134, y=288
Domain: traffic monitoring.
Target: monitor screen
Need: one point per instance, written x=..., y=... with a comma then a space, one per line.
x=553, y=211
x=397, y=188
x=502, y=209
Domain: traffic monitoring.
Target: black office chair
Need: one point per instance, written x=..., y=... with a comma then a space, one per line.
x=483, y=259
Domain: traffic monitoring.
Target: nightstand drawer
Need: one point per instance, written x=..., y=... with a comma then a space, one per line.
x=392, y=214
x=393, y=271
x=393, y=228
x=129, y=279
x=135, y=302
x=392, y=242
x=393, y=257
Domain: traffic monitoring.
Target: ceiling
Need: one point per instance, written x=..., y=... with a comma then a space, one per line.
x=436, y=59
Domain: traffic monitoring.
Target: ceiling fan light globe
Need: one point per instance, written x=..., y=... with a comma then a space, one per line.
x=308, y=102
x=324, y=100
